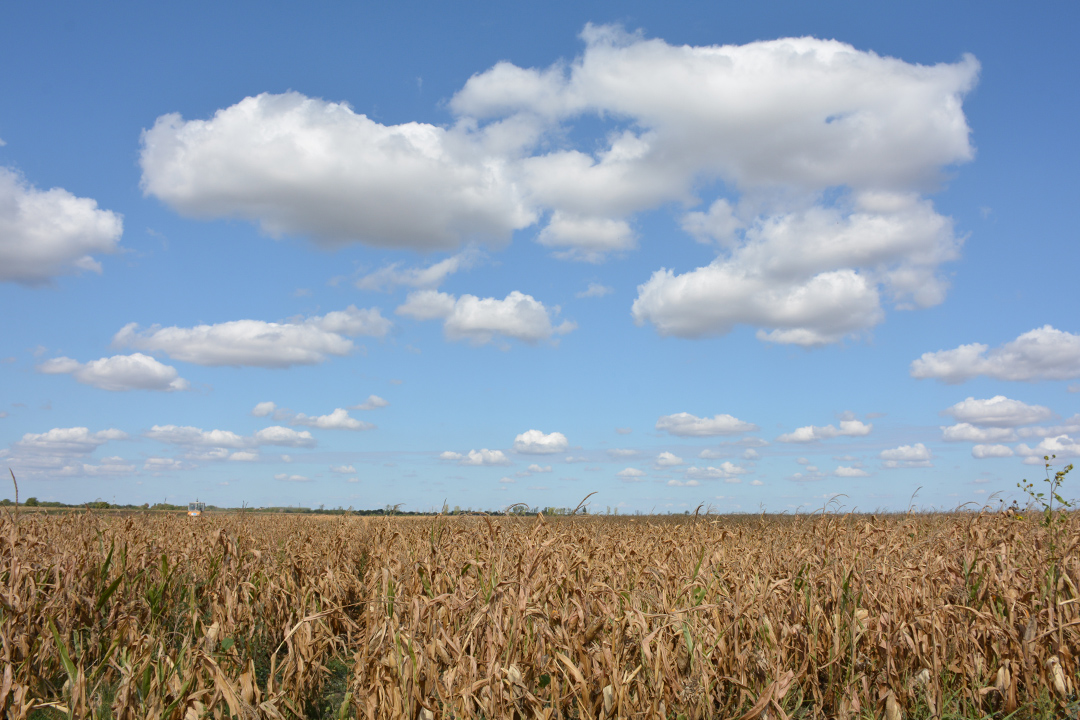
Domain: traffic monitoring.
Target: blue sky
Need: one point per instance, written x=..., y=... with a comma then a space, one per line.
x=747, y=255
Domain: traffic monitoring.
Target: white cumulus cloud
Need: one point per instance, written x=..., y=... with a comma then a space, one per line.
x=47, y=233
x=906, y=456
x=264, y=409
x=726, y=471
x=686, y=425
x=998, y=411
x=303, y=166
x=991, y=451
x=535, y=442
x=337, y=420
x=849, y=472
x=667, y=459
x=966, y=432
x=813, y=433
x=630, y=474
x=1041, y=354
x=258, y=343
x=485, y=457
x=373, y=402
x=119, y=373
x=480, y=320
x=1063, y=446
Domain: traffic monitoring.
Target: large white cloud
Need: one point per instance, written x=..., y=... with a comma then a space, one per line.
x=300, y=165
x=480, y=320
x=46, y=233
x=1044, y=353
x=119, y=373
x=800, y=111
x=779, y=122
x=535, y=442
x=686, y=425
x=813, y=433
x=258, y=343
x=809, y=277
x=998, y=411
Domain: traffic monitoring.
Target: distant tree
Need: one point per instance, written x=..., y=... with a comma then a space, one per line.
x=31, y=502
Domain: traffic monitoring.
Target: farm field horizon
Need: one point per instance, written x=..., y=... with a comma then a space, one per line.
x=740, y=256
x=908, y=615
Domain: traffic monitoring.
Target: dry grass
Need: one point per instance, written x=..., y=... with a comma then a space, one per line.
x=153, y=616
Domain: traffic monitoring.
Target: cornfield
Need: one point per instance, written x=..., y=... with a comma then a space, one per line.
x=268, y=616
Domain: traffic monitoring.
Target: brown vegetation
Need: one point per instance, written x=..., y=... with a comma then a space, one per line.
x=155, y=616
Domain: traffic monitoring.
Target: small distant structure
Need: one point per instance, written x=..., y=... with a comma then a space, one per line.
x=195, y=509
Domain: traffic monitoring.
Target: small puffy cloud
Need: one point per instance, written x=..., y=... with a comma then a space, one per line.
x=48, y=233
x=991, y=451
x=342, y=469
x=478, y=457
x=966, y=432
x=726, y=471
x=432, y=276
x=374, y=402
x=160, y=464
x=675, y=482
x=813, y=433
x=534, y=468
x=686, y=425
x=595, y=290
x=73, y=442
x=480, y=320
x=717, y=225
x=283, y=436
x=850, y=472
x=244, y=456
x=623, y=452
x=630, y=474
x=906, y=456
x=119, y=373
x=667, y=459
x=1041, y=354
x=61, y=452
x=193, y=436
x=1071, y=426
x=257, y=343
x=998, y=411
x=337, y=420
x=264, y=409
x=284, y=477
x=211, y=445
x=751, y=454
x=535, y=442
x=711, y=454
x=1062, y=446
x=507, y=480
x=586, y=238
x=303, y=166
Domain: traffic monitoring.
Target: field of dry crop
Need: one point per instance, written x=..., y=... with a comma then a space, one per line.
x=247, y=615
